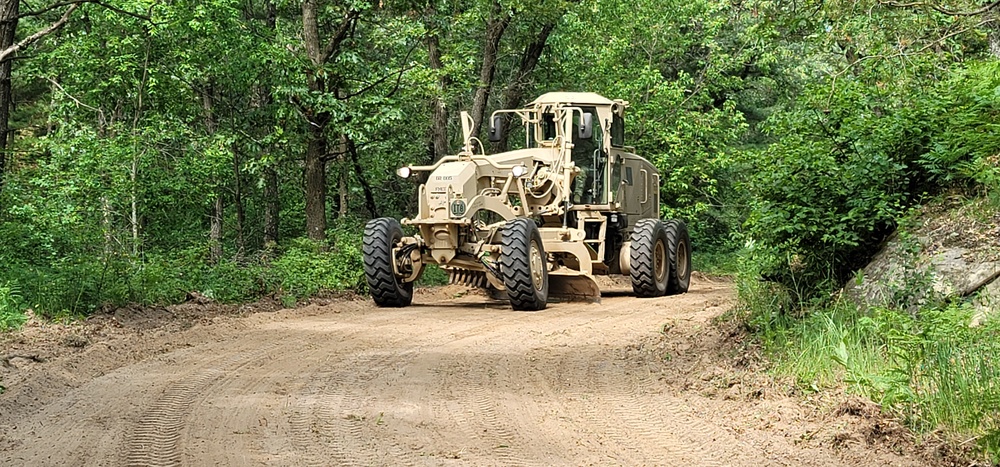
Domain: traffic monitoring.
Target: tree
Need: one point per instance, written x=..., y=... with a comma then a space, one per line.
x=9, y=17
x=324, y=84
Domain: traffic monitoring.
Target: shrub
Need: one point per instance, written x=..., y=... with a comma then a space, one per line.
x=304, y=268
x=847, y=166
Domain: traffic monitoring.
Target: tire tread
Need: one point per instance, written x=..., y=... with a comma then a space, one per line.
x=386, y=289
x=515, y=265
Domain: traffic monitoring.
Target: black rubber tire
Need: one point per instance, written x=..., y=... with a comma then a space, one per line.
x=649, y=265
x=524, y=265
x=381, y=235
x=679, y=249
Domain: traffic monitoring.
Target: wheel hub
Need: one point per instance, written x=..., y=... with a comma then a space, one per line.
x=537, y=266
x=660, y=262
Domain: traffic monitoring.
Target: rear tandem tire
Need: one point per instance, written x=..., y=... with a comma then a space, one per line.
x=524, y=265
x=649, y=261
x=388, y=290
x=679, y=250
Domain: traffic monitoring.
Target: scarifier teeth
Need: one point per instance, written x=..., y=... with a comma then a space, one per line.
x=466, y=277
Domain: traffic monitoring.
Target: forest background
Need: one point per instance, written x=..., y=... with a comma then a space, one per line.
x=235, y=149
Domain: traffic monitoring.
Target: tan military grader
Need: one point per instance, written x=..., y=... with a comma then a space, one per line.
x=539, y=221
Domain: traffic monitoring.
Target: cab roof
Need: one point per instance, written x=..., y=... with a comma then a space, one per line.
x=580, y=98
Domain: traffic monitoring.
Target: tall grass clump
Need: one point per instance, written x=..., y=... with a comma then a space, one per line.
x=952, y=375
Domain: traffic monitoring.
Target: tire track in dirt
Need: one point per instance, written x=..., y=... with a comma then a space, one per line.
x=661, y=422
x=495, y=365
x=308, y=350
x=618, y=409
x=154, y=440
x=243, y=403
x=335, y=416
x=338, y=418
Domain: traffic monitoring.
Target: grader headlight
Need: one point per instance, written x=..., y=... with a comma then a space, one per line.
x=519, y=171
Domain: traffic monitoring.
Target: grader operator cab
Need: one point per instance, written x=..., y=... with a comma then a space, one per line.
x=540, y=221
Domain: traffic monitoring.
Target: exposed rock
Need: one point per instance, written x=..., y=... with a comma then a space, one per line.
x=952, y=253
x=987, y=301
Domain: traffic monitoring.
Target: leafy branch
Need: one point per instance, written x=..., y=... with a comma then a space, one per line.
x=940, y=9
x=4, y=54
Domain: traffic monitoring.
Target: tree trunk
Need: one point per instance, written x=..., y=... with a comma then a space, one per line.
x=9, y=10
x=215, y=231
x=315, y=174
x=134, y=216
x=439, y=121
x=215, y=219
x=272, y=207
x=106, y=226
x=342, y=176
x=495, y=27
x=513, y=96
x=238, y=201
x=318, y=80
x=272, y=204
x=359, y=172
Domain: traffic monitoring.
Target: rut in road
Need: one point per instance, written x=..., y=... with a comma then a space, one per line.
x=447, y=381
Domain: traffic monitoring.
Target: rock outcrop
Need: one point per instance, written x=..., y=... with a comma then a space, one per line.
x=949, y=251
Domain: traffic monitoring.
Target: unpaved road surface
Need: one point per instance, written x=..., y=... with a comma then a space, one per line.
x=456, y=379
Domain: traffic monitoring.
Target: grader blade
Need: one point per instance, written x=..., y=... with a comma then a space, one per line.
x=573, y=286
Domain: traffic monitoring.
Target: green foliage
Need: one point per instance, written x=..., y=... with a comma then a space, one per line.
x=11, y=307
x=304, y=268
x=846, y=167
x=964, y=146
x=717, y=261
x=432, y=275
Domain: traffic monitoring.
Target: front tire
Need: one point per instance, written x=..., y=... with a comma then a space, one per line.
x=387, y=289
x=523, y=265
x=649, y=261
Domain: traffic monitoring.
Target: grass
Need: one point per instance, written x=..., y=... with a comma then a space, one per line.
x=930, y=368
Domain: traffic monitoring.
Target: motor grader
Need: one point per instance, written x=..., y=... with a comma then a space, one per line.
x=537, y=222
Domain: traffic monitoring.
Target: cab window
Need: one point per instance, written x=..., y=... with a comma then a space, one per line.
x=617, y=131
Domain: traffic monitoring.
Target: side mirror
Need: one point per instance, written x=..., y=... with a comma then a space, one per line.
x=586, y=126
x=496, y=132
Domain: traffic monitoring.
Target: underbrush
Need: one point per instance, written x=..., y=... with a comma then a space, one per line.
x=716, y=262
x=929, y=368
x=76, y=286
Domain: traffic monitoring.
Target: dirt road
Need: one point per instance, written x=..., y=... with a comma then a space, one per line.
x=448, y=381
